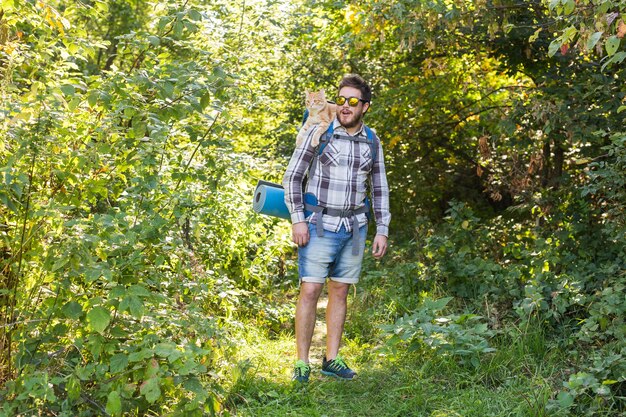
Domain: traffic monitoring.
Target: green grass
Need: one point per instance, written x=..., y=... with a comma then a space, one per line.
x=521, y=378
x=517, y=380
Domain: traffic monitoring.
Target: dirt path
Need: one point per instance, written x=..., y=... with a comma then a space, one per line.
x=318, y=344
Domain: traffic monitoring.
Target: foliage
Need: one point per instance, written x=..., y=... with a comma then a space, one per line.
x=127, y=238
x=133, y=132
x=594, y=28
x=568, y=279
x=462, y=336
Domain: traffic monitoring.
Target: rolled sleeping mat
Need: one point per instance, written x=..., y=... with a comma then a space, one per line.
x=269, y=199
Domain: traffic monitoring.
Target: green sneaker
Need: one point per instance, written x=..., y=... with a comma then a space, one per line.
x=301, y=371
x=337, y=368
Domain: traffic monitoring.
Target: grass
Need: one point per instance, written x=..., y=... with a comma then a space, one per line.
x=521, y=378
x=406, y=385
x=517, y=380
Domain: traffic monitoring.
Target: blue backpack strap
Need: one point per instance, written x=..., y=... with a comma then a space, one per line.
x=373, y=141
x=325, y=139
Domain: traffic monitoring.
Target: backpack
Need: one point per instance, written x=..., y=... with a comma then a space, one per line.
x=269, y=197
x=313, y=207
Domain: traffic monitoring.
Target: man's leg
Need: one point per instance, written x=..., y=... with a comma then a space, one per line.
x=305, y=317
x=335, y=316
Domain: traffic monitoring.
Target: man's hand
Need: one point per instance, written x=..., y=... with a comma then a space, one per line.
x=379, y=246
x=300, y=233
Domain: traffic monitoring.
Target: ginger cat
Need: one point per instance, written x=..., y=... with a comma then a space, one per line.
x=321, y=113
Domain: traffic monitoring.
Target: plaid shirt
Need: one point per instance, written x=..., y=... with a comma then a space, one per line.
x=340, y=181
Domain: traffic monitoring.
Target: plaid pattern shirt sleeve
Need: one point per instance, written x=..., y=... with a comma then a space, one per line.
x=294, y=175
x=342, y=173
x=380, y=193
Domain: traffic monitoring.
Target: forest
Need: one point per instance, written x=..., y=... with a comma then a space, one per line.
x=136, y=279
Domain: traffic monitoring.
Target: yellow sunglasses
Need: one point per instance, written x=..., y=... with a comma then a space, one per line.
x=352, y=101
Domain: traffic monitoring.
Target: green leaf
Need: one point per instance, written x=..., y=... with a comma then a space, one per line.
x=8, y=202
x=118, y=362
x=136, y=306
x=68, y=89
x=164, y=349
x=152, y=369
x=60, y=263
x=615, y=59
x=178, y=28
x=98, y=319
x=553, y=4
x=72, y=310
x=95, y=345
x=554, y=46
x=436, y=305
x=565, y=399
x=114, y=404
x=194, y=385
x=611, y=45
x=593, y=40
x=73, y=104
x=569, y=7
x=535, y=35
x=205, y=100
x=568, y=34
x=140, y=355
x=154, y=40
x=151, y=390
x=7, y=4
x=73, y=388
x=139, y=290
x=194, y=14
x=92, y=98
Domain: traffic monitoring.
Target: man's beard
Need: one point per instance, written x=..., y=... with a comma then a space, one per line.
x=354, y=120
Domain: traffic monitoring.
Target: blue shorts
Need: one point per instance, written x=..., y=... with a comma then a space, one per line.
x=330, y=256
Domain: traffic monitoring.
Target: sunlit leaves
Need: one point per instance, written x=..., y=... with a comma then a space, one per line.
x=117, y=164
x=579, y=22
x=593, y=40
x=98, y=319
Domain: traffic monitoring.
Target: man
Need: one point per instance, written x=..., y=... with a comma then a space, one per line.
x=331, y=241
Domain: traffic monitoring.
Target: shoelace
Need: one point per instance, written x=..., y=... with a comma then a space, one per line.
x=301, y=368
x=338, y=363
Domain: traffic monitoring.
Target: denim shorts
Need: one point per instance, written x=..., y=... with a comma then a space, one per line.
x=330, y=256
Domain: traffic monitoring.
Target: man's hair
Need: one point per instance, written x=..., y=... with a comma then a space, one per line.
x=356, y=81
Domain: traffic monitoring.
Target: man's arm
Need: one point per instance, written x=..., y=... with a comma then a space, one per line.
x=380, y=203
x=292, y=183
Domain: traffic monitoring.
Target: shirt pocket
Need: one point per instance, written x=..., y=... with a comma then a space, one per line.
x=365, y=157
x=330, y=155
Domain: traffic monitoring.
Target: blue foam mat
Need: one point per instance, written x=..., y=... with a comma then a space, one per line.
x=269, y=199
